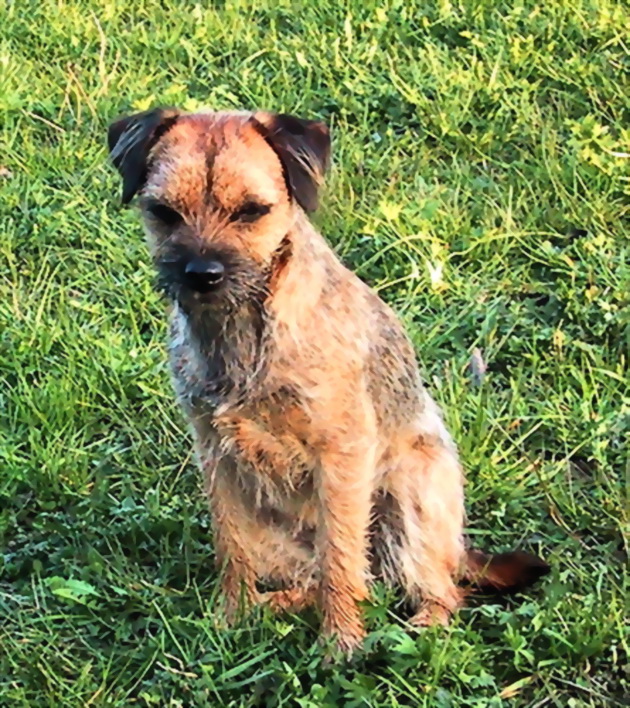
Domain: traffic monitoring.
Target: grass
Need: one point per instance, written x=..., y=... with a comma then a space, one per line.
x=480, y=184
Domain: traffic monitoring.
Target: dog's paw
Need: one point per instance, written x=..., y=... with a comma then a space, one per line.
x=234, y=605
x=431, y=614
x=292, y=600
x=343, y=640
x=348, y=643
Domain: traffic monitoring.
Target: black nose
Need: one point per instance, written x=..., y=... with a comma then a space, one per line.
x=204, y=276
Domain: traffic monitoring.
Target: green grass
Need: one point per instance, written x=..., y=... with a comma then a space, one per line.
x=480, y=183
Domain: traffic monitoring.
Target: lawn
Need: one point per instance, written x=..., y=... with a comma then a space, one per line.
x=480, y=184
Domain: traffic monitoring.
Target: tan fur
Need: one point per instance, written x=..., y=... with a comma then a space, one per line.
x=326, y=461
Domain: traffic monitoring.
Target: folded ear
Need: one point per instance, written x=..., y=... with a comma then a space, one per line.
x=303, y=147
x=130, y=140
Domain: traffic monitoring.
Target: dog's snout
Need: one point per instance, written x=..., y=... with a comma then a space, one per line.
x=204, y=275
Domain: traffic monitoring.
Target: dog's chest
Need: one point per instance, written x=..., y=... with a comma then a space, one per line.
x=259, y=422
x=215, y=367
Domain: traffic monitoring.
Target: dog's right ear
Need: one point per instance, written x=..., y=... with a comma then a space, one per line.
x=303, y=147
x=130, y=140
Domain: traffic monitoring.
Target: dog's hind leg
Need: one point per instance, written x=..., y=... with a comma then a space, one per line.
x=425, y=488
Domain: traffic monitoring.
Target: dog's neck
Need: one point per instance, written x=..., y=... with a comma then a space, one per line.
x=304, y=279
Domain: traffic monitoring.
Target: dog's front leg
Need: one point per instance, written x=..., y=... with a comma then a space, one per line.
x=233, y=539
x=345, y=493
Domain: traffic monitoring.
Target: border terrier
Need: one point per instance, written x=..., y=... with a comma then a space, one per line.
x=327, y=464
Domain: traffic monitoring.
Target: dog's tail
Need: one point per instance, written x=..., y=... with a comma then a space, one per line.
x=503, y=572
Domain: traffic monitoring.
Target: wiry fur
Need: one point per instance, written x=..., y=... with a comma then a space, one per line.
x=326, y=461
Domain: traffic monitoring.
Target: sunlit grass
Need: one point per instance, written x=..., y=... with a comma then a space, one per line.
x=480, y=183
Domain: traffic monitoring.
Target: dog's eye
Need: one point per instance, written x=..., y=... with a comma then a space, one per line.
x=165, y=214
x=250, y=211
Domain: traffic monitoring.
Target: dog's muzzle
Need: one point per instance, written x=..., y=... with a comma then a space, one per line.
x=216, y=277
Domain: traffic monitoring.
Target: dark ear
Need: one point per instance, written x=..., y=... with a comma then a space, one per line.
x=303, y=147
x=130, y=140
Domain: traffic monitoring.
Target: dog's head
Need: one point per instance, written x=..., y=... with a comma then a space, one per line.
x=219, y=193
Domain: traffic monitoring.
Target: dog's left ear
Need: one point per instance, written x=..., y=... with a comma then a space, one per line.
x=303, y=147
x=130, y=140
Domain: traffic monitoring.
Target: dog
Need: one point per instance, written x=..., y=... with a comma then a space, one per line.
x=327, y=463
